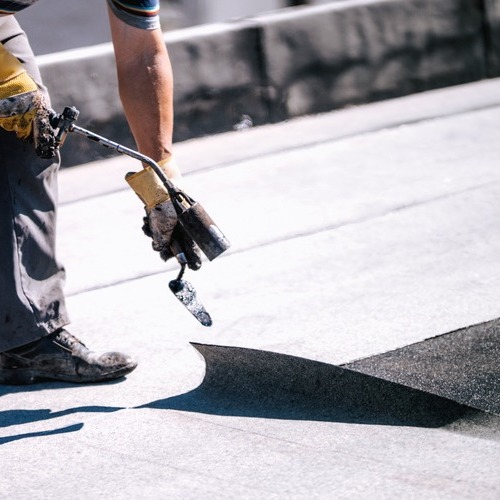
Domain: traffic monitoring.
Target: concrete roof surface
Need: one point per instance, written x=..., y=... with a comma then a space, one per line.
x=356, y=236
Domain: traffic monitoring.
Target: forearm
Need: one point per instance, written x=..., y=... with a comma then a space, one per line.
x=146, y=94
x=146, y=87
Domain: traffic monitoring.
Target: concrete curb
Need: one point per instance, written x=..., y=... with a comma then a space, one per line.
x=295, y=62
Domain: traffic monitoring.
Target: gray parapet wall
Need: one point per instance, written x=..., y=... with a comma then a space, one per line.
x=297, y=61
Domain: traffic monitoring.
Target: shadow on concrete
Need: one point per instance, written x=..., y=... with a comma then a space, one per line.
x=62, y=430
x=20, y=417
x=252, y=383
x=52, y=385
x=10, y=418
x=259, y=384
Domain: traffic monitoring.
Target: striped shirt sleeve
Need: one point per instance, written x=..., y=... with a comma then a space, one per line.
x=143, y=14
x=8, y=7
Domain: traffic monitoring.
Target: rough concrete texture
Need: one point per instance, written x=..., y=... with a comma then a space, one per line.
x=86, y=78
x=347, y=243
x=362, y=51
x=492, y=36
x=218, y=79
x=286, y=64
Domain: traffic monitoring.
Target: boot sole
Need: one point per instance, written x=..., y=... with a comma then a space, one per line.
x=24, y=376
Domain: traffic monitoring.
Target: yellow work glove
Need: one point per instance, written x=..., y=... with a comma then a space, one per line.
x=160, y=223
x=22, y=106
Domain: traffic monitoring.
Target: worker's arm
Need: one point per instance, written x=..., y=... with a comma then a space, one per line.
x=146, y=88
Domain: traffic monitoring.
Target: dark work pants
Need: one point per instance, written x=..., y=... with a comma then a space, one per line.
x=31, y=280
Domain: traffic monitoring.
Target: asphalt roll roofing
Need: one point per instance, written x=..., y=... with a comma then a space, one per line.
x=462, y=365
x=244, y=382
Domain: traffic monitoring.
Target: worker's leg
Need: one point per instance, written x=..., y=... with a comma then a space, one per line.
x=33, y=344
x=31, y=280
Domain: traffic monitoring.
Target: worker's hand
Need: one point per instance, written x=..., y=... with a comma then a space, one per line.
x=175, y=243
x=22, y=106
x=160, y=222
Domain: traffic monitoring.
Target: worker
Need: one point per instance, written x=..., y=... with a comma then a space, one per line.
x=34, y=343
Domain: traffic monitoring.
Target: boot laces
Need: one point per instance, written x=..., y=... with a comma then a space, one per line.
x=67, y=341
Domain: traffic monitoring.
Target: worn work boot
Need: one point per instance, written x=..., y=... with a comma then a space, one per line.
x=60, y=356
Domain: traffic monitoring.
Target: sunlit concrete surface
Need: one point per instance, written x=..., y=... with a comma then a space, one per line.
x=353, y=233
